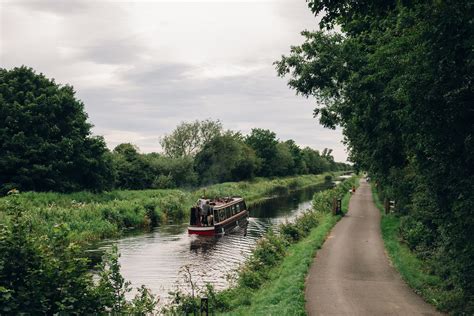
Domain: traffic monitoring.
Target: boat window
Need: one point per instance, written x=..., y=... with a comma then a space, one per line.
x=216, y=216
x=222, y=214
x=237, y=206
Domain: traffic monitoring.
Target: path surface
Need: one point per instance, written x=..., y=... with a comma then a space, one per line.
x=351, y=274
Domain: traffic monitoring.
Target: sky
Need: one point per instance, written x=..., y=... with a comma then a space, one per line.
x=142, y=67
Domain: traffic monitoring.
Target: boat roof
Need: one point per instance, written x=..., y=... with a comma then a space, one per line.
x=219, y=203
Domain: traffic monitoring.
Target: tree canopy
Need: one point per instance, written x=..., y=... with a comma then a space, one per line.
x=47, y=145
x=189, y=137
x=264, y=142
x=226, y=158
x=45, y=139
x=398, y=79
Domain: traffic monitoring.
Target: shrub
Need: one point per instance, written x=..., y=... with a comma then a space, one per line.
x=290, y=232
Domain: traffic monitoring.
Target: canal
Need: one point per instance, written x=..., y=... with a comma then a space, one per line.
x=156, y=258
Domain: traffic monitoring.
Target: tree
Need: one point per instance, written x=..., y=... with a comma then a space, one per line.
x=172, y=172
x=45, y=139
x=133, y=171
x=295, y=150
x=398, y=80
x=188, y=138
x=226, y=158
x=264, y=142
x=314, y=163
x=283, y=162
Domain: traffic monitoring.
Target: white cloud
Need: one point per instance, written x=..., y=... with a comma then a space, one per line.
x=141, y=67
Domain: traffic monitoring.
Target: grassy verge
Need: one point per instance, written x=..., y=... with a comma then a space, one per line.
x=283, y=294
x=90, y=217
x=272, y=280
x=411, y=268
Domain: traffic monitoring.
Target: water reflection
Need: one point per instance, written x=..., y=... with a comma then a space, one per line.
x=155, y=258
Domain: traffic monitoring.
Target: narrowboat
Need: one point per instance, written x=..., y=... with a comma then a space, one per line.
x=216, y=216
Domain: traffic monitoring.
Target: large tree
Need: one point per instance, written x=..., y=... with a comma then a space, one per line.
x=45, y=139
x=398, y=78
x=189, y=137
x=264, y=142
x=226, y=158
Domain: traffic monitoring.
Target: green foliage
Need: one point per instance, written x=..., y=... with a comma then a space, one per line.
x=96, y=216
x=226, y=158
x=111, y=283
x=92, y=217
x=264, y=142
x=143, y=171
x=46, y=141
x=50, y=275
x=188, y=138
x=46, y=145
x=112, y=289
x=415, y=271
x=398, y=81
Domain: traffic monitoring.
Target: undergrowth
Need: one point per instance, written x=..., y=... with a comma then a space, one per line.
x=90, y=217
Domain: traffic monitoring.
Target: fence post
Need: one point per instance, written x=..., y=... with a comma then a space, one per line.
x=204, y=306
x=336, y=206
x=386, y=205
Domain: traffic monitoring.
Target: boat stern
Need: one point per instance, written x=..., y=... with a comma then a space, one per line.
x=202, y=230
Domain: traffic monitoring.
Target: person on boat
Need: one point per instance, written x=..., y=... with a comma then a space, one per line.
x=201, y=202
x=209, y=217
x=200, y=206
x=205, y=209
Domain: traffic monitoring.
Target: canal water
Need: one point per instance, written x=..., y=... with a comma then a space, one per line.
x=157, y=258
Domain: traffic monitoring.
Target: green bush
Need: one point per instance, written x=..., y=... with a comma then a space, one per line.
x=50, y=275
x=290, y=232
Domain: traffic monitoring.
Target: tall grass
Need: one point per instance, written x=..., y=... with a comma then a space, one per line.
x=92, y=217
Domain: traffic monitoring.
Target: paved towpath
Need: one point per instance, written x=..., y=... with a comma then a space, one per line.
x=351, y=274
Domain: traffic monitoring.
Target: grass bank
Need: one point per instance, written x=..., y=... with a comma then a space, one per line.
x=272, y=280
x=412, y=269
x=90, y=217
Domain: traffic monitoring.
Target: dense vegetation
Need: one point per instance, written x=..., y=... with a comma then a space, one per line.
x=45, y=139
x=398, y=79
x=46, y=145
x=271, y=281
x=411, y=268
x=94, y=216
x=47, y=275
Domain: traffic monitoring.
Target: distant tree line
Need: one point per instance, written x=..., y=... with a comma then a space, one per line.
x=397, y=76
x=46, y=145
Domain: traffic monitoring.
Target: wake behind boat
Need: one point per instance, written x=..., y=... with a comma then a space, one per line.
x=216, y=216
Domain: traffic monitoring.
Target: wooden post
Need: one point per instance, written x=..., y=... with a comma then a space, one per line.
x=386, y=205
x=204, y=306
x=339, y=206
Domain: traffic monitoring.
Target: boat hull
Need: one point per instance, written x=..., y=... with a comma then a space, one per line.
x=203, y=231
x=221, y=227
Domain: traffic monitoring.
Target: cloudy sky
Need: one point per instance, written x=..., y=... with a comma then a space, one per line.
x=142, y=67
